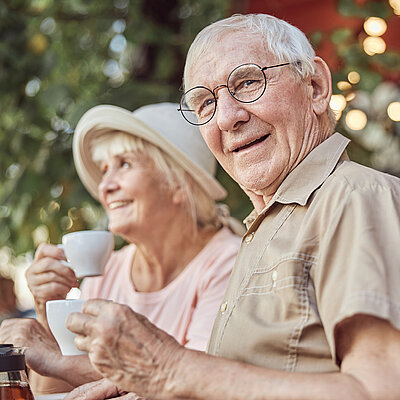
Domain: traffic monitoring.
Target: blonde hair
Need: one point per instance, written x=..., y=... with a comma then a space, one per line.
x=202, y=209
x=283, y=40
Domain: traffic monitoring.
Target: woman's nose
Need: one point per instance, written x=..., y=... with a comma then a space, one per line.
x=109, y=182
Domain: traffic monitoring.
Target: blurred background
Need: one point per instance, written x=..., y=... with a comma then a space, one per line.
x=58, y=58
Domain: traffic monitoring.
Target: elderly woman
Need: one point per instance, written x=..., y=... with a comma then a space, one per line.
x=154, y=176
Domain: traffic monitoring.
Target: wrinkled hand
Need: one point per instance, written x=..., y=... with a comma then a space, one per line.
x=100, y=390
x=48, y=279
x=42, y=350
x=125, y=347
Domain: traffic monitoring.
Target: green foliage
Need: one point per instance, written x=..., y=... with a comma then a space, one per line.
x=350, y=8
x=57, y=61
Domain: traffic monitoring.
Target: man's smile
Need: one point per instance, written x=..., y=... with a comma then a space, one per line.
x=247, y=145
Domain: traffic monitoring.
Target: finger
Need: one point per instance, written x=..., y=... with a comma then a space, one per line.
x=48, y=277
x=49, y=250
x=79, y=323
x=96, y=306
x=49, y=264
x=97, y=390
x=83, y=343
x=45, y=274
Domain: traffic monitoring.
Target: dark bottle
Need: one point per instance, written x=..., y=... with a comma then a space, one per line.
x=13, y=379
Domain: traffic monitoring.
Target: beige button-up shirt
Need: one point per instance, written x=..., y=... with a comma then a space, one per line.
x=326, y=247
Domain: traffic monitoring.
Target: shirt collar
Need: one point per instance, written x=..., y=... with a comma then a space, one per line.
x=309, y=174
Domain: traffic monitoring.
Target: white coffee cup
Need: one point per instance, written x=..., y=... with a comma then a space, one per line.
x=57, y=312
x=87, y=252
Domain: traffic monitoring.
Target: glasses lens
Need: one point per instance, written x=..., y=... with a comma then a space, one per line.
x=246, y=83
x=198, y=105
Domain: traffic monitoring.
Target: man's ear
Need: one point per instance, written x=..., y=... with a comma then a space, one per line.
x=321, y=82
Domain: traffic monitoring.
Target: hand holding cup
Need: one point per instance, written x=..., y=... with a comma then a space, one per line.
x=125, y=347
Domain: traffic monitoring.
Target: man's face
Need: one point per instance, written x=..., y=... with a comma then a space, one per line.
x=258, y=143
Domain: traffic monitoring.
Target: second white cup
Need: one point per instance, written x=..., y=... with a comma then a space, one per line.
x=57, y=312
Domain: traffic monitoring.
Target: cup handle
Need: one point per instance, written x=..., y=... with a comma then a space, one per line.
x=63, y=262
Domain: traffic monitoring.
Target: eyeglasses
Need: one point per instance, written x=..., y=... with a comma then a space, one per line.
x=246, y=84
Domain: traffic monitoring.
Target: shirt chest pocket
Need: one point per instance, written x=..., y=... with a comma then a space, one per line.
x=278, y=292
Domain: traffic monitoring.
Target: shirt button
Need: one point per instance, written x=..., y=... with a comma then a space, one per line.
x=274, y=278
x=223, y=307
x=249, y=237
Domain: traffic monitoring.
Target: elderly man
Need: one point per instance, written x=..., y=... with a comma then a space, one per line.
x=312, y=310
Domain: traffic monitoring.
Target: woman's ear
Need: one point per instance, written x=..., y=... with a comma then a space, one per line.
x=178, y=195
x=321, y=82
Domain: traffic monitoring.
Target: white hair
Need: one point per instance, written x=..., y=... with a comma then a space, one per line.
x=202, y=209
x=283, y=41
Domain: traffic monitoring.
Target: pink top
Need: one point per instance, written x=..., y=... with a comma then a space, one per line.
x=186, y=307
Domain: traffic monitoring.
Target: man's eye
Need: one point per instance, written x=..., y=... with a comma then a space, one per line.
x=103, y=170
x=206, y=105
x=125, y=164
x=249, y=82
x=245, y=84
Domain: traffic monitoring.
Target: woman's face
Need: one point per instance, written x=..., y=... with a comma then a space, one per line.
x=135, y=195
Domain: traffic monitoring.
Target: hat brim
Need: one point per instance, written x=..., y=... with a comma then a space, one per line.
x=116, y=118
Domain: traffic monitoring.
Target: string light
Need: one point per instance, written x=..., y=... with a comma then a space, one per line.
x=343, y=85
x=393, y=111
x=350, y=96
x=375, y=26
x=374, y=45
x=353, y=77
x=356, y=120
x=338, y=102
x=395, y=4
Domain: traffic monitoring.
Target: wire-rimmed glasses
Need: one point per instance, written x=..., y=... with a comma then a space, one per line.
x=246, y=84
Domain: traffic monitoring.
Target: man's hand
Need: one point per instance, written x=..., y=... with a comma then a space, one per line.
x=42, y=350
x=125, y=347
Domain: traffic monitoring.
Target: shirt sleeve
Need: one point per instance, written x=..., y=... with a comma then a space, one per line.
x=210, y=295
x=358, y=271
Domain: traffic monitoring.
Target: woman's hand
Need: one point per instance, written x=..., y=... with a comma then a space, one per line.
x=125, y=347
x=49, y=279
x=42, y=351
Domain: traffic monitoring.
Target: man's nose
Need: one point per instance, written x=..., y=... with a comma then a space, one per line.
x=230, y=113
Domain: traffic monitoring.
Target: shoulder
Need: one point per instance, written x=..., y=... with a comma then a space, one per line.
x=224, y=244
x=218, y=257
x=353, y=176
x=351, y=180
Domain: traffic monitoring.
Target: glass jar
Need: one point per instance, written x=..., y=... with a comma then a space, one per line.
x=13, y=379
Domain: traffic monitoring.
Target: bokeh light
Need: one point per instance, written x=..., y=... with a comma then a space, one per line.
x=356, y=120
x=338, y=102
x=40, y=235
x=32, y=87
x=351, y=96
x=343, y=85
x=375, y=26
x=353, y=77
x=393, y=111
x=374, y=45
x=395, y=5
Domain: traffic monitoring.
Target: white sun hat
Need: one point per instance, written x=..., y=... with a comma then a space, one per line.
x=160, y=124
